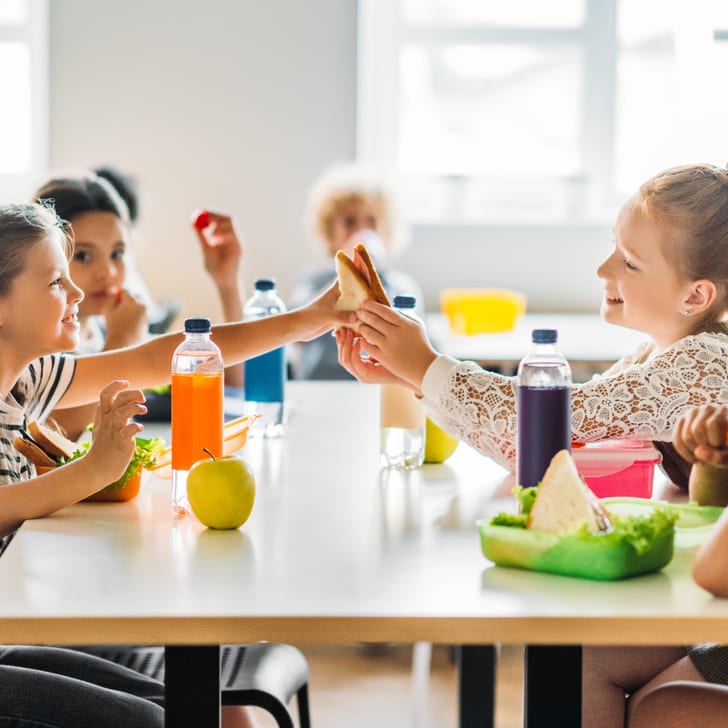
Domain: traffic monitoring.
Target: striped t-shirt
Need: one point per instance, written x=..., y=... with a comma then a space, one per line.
x=35, y=394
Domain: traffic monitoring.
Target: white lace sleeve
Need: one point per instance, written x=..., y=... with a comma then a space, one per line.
x=637, y=400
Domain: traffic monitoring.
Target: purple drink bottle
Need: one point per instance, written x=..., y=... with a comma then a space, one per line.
x=543, y=407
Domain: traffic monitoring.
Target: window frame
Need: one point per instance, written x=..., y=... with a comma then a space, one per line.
x=35, y=34
x=381, y=35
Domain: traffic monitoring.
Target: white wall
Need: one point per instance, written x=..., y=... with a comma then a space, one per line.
x=238, y=105
x=232, y=104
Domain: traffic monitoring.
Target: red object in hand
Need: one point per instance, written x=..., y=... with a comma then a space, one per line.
x=202, y=220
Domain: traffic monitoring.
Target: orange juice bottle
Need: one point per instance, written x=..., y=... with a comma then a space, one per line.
x=197, y=411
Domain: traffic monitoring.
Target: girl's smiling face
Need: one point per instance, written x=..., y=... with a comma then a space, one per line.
x=39, y=313
x=643, y=289
x=98, y=264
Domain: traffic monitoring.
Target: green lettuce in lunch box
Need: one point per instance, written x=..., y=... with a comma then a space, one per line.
x=613, y=546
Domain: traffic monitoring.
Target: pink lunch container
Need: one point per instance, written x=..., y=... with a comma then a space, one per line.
x=618, y=467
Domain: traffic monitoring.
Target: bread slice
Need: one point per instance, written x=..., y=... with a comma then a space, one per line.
x=34, y=453
x=563, y=500
x=356, y=286
x=361, y=255
x=44, y=447
x=53, y=442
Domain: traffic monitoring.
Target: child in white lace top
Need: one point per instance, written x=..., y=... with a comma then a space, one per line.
x=667, y=276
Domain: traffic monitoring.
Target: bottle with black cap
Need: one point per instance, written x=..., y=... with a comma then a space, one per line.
x=543, y=407
x=402, y=414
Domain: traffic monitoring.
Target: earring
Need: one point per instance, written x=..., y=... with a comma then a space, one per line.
x=687, y=312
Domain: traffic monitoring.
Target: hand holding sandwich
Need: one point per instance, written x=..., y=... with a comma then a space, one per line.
x=397, y=347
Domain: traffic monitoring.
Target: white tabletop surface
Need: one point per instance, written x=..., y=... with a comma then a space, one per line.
x=336, y=550
x=582, y=338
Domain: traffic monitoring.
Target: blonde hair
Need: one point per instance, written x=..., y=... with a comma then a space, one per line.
x=690, y=206
x=342, y=185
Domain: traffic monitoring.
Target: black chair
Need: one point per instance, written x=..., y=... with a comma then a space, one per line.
x=263, y=674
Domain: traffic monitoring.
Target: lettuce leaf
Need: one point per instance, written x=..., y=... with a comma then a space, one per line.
x=640, y=531
x=145, y=455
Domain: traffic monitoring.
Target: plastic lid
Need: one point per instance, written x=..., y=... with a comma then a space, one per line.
x=197, y=326
x=404, y=302
x=265, y=284
x=544, y=336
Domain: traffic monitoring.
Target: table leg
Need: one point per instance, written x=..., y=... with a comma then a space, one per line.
x=552, y=686
x=476, y=685
x=192, y=685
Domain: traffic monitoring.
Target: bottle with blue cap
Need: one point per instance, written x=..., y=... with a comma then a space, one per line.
x=543, y=407
x=265, y=375
x=402, y=414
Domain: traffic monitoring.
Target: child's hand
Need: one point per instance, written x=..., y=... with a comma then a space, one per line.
x=220, y=245
x=396, y=341
x=320, y=315
x=700, y=435
x=114, y=431
x=127, y=322
x=366, y=370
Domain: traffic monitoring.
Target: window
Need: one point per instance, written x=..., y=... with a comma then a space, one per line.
x=492, y=112
x=24, y=91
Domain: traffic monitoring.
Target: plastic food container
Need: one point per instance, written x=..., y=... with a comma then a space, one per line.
x=600, y=557
x=481, y=310
x=618, y=467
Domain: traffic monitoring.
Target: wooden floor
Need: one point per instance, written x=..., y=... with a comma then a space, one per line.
x=362, y=686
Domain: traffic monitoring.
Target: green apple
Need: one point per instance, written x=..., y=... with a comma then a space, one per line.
x=221, y=491
x=438, y=444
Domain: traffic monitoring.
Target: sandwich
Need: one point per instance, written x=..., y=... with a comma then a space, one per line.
x=47, y=449
x=44, y=447
x=562, y=528
x=564, y=499
x=358, y=282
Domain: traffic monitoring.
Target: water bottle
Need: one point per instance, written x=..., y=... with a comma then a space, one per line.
x=543, y=407
x=402, y=414
x=265, y=375
x=197, y=406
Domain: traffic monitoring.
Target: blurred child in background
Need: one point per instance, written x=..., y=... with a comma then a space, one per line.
x=347, y=205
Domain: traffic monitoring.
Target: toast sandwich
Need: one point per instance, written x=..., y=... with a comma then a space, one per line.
x=358, y=282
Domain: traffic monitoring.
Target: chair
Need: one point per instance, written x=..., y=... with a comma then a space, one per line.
x=263, y=674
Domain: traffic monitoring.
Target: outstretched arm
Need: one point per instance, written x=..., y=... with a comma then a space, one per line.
x=149, y=364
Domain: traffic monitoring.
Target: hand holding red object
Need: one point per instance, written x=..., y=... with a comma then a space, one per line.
x=201, y=219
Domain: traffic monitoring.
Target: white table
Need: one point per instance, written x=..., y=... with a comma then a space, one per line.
x=336, y=551
x=586, y=341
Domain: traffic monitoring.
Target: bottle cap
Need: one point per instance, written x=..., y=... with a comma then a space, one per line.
x=197, y=326
x=404, y=302
x=265, y=284
x=544, y=336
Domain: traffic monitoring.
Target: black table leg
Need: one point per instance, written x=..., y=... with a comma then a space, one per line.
x=552, y=689
x=192, y=685
x=476, y=685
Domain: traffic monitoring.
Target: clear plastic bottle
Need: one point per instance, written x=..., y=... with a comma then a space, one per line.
x=265, y=375
x=197, y=405
x=402, y=414
x=543, y=407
